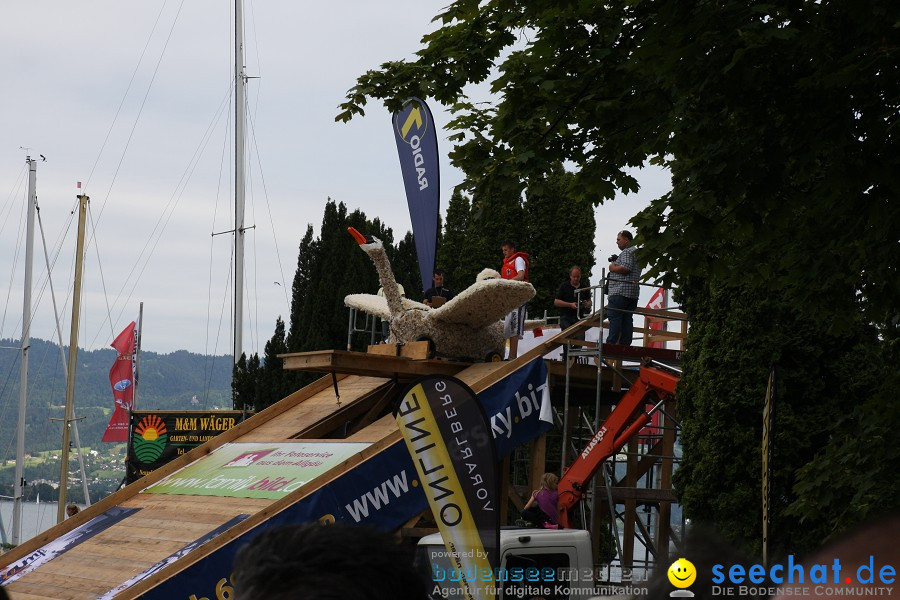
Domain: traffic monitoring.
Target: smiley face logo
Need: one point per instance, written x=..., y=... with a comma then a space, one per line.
x=682, y=573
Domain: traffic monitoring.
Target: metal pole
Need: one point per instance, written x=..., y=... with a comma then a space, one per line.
x=599, y=383
x=768, y=435
x=62, y=355
x=19, y=487
x=350, y=326
x=73, y=360
x=84, y=484
x=137, y=357
x=239, y=124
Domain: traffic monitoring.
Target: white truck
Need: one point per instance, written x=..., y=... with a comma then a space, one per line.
x=534, y=564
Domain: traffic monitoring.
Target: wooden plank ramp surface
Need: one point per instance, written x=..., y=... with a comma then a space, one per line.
x=167, y=523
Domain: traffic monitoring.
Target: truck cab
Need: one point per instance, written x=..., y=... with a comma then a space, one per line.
x=534, y=564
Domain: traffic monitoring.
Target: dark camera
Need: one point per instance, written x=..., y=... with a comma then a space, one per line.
x=613, y=257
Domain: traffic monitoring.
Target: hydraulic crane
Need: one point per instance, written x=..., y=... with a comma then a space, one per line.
x=626, y=419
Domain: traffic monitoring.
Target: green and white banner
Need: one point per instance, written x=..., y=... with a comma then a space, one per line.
x=256, y=470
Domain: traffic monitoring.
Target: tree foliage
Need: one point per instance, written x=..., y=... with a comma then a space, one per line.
x=245, y=383
x=449, y=254
x=170, y=381
x=496, y=215
x=561, y=232
x=779, y=125
x=721, y=403
x=405, y=263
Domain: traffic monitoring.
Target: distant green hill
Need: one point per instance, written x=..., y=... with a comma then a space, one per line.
x=180, y=380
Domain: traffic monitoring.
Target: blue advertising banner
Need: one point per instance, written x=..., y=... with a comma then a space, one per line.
x=416, y=138
x=519, y=406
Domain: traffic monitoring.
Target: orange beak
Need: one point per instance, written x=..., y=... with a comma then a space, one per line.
x=360, y=238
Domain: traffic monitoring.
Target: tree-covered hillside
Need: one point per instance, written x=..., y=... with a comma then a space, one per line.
x=167, y=381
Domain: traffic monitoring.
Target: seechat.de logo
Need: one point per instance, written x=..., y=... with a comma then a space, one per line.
x=681, y=575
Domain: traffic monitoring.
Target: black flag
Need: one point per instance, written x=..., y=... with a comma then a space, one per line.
x=449, y=439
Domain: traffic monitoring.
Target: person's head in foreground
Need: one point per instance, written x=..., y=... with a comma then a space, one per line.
x=325, y=562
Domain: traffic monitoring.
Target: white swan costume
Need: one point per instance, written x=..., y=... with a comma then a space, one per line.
x=467, y=327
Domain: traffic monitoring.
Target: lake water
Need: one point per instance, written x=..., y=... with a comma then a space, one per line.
x=36, y=518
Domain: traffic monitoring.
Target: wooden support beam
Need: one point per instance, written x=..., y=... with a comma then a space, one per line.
x=410, y=350
x=504, y=490
x=377, y=409
x=638, y=495
x=373, y=365
x=664, y=527
x=324, y=427
x=516, y=499
x=538, y=462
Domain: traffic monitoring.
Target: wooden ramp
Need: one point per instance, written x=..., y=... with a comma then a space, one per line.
x=136, y=543
x=142, y=549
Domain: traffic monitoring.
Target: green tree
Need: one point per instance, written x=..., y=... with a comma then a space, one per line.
x=770, y=116
x=405, y=263
x=245, y=382
x=275, y=382
x=561, y=232
x=450, y=251
x=306, y=256
x=496, y=215
x=779, y=123
x=329, y=267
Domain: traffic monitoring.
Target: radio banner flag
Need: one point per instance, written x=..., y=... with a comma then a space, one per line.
x=416, y=138
x=450, y=442
x=121, y=378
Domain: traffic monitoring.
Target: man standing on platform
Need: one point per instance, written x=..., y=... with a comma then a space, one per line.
x=567, y=303
x=623, y=291
x=515, y=266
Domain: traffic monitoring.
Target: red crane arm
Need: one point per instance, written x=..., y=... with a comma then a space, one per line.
x=616, y=430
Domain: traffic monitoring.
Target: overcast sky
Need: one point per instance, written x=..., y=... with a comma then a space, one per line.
x=132, y=99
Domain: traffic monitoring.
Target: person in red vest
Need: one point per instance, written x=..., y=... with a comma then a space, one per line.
x=515, y=266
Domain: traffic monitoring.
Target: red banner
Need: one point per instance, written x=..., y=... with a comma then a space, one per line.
x=121, y=378
x=658, y=301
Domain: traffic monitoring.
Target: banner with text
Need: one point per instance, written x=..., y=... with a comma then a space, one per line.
x=159, y=437
x=449, y=440
x=383, y=492
x=519, y=407
x=416, y=137
x=121, y=379
x=63, y=543
x=256, y=470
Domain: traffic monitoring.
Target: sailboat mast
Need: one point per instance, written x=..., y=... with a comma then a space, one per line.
x=19, y=487
x=73, y=360
x=239, y=126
